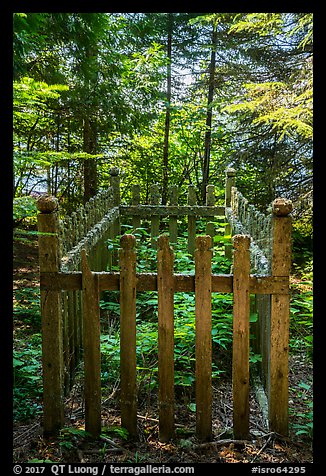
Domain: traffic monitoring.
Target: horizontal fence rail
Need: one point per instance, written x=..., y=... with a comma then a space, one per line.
x=71, y=285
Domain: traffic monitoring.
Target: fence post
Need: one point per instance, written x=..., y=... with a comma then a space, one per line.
x=191, y=220
x=280, y=312
x=128, y=333
x=51, y=311
x=155, y=220
x=229, y=183
x=165, y=287
x=241, y=314
x=203, y=306
x=92, y=353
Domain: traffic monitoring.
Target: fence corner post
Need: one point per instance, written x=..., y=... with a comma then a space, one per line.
x=229, y=183
x=280, y=317
x=51, y=312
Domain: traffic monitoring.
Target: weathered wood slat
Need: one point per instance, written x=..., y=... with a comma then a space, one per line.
x=146, y=211
x=128, y=334
x=165, y=281
x=203, y=309
x=240, y=356
x=92, y=354
x=222, y=283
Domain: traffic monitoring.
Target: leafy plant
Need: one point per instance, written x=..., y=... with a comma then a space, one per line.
x=27, y=307
x=24, y=210
x=69, y=437
x=27, y=370
x=302, y=421
x=116, y=431
x=301, y=320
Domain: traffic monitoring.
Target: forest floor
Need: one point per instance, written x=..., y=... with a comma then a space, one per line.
x=72, y=446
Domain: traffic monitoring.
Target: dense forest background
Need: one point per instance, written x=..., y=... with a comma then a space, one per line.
x=172, y=98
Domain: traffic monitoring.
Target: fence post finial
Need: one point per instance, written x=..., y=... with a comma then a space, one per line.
x=282, y=207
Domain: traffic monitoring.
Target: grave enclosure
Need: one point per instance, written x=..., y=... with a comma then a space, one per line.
x=72, y=259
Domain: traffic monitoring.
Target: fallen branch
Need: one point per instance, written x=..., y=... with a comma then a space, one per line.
x=213, y=444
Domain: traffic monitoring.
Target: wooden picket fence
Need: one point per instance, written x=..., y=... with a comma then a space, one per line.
x=70, y=295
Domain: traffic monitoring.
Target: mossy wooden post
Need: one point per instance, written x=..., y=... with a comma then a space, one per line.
x=92, y=353
x=115, y=184
x=210, y=202
x=203, y=309
x=136, y=202
x=155, y=220
x=241, y=315
x=173, y=222
x=280, y=313
x=51, y=311
x=191, y=220
x=165, y=287
x=128, y=334
x=229, y=183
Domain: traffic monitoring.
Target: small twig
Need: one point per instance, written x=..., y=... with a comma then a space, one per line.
x=211, y=444
x=108, y=440
x=26, y=432
x=155, y=420
x=116, y=447
x=263, y=447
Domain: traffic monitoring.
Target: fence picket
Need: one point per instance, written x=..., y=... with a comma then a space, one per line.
x=203, y=308
x=128, y=334
x=165, y=286
x=241, y=313
x=92, y=354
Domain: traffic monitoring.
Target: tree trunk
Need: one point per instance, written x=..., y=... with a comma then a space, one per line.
x=167, y=113
x=209, y=115
x=90, y=166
